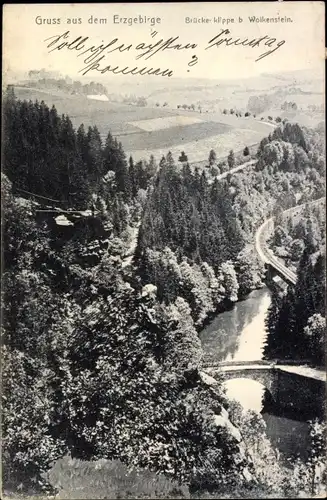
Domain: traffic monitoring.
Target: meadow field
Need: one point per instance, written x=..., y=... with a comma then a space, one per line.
x=197, y=144
x=156, y=130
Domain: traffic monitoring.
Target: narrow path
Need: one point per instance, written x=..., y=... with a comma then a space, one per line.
x=129, y=254
x=236, y=169
x=233, y=171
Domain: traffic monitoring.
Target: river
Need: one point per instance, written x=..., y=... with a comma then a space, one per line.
x=239, y=335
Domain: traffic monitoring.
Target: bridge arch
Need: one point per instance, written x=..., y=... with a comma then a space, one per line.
x=249, y=393
x=264, y=375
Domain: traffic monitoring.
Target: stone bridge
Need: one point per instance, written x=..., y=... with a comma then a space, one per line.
x=292, y=386
x=260, y=372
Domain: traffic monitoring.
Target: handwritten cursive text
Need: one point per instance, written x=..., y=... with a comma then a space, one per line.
x=265, y=40
x=94, y=56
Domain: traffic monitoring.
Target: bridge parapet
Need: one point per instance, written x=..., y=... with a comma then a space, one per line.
x=243, y=363
x=219, y=364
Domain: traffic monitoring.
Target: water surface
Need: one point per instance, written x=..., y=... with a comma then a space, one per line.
x=239, y=335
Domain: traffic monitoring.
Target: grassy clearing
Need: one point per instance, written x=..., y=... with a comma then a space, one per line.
x=165, y=122
x=110, y=479
x=197, y=147
x=175, y=139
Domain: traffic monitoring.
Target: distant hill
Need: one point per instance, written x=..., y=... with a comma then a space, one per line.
x=65, y=85
x=298, y=76
x=271, y=90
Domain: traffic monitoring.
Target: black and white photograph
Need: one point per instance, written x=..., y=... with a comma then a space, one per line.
x=163, y=251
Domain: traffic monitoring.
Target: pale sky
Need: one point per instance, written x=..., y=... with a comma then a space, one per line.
x=24, y=47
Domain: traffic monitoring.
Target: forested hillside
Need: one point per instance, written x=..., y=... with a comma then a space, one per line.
x=44, y=155
x=295, y=323
x=196, y=236
x=88, y=353
x=296, y=320
x=101, y=356
x=293, y=233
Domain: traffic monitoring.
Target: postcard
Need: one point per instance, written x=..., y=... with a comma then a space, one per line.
x=163, y=249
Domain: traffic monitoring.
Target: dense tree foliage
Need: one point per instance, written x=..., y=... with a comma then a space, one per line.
x=128, y=391
x=33, y=314
x=295, y=319
x=101, y=369
x=94, y=364
x=189, y=216
x=291, y=148
x=103, y=360
x=101, y=354
x=293, y=233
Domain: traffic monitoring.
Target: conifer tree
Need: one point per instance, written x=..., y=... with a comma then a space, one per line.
x=122, y=179
x=141, y=175
x=271, y=323
x=319, y=272
x=231, y=159
x=132, y=177
x=94, y=155
x=212, y=157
